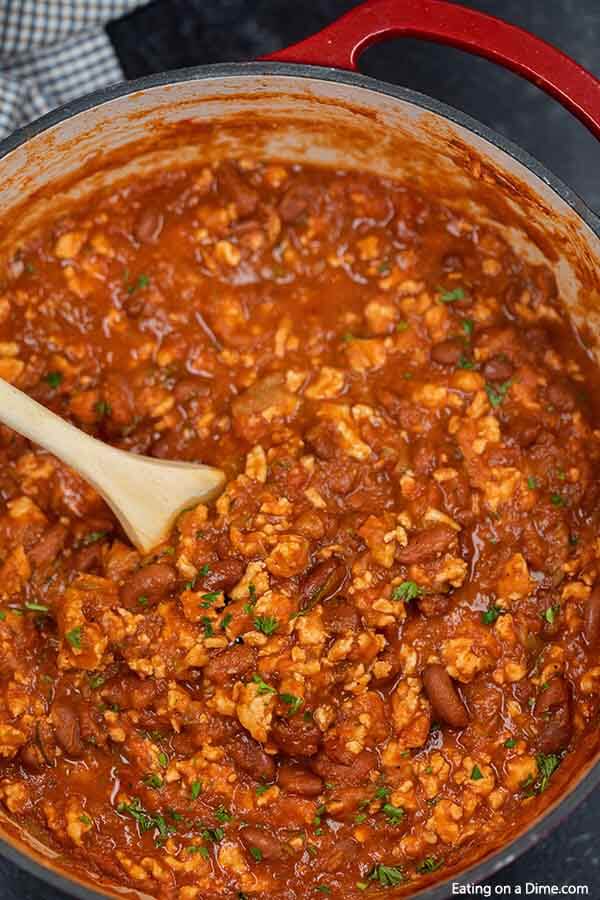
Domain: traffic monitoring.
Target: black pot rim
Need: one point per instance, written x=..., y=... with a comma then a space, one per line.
x=562, y=808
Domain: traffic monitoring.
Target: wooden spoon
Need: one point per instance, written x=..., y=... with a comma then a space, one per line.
x=146, y=495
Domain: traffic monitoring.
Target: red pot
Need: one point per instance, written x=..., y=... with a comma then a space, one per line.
x=308, y=103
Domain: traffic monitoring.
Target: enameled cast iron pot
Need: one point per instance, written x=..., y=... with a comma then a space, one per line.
x=307, y=103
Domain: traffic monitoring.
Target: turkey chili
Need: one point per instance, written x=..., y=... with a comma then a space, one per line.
x=376, y=657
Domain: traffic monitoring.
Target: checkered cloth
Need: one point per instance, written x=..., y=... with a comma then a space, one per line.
x=52, y=51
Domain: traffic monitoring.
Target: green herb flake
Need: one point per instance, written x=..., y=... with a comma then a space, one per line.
x=74, y=637
x=35, y=607
x=383, y=792
x=261, y=789
x=387, y=876
x=292, y=701
x=204, y=570
x=93, y=536
x=207, y=625
x=393, y=814
x=223, y=815
x=557, y=500
x=201, y=850
x=53, y=379
x=95, y=681
x=362, y=885
x=153, y=781
x=225, y=621
x=547, y=765
x=407, y=591
x=102, y=408
x=195, y=790
x=359, y=818
x=468, y=326
x=451, y=296
x=141, y=282
x=476, y=774
x=146, y=821
x=465, y=363
x=491, y=614
x=509, y=743
x=2, y=615
x=348, y=337
x=551, y=613
x=496, y=395
x=267, y=624
x=85, y=819
x=323, y=889
x=256, y=853
x=402, y=326
x=429, y=864
x=143, y=600
x=263, y=687
x=209, y=599
x=532, y=483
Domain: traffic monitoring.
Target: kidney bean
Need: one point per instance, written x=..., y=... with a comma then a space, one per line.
x=523, y=431
x=130, y=691
x=230, y=663
x=444, y=697
x=153, y=581
x=264, y=841
x=322, y=582
x=295, y=736
x=426, y=545
x=250, y=757
x=553, y=706
x=498, y=368
x=223, y=575
x=148, y=226
x=448, y=352
x=561, y=396
x=295, y=202
x=48, y=548
x=87, y=558
x=340, y=617
x=591, y=622
x=342, y=775
x=65, y=721
x=119, y=397
x=433, y=604
x=237, y=189
x=297, y=780
x=32, y=758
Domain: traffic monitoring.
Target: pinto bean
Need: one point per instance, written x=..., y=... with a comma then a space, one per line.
x=148, y=226
x=498, y=368
x=295, y=202
x=591, y=622
x=433, y=604
x=561, y=396
x=65, y=720
x=296, y=737
x=222, y=576
x=46, y=550
x=444, y=697
x=260, y=839
x=153, y=581
x=297, y=780
x=342, y=775
x=230, y=663
x=322, y=582
x=250, y=757
x=556, y=694
x=340, y=617
x=130, y=691
x=448, y=352
x=426, y=545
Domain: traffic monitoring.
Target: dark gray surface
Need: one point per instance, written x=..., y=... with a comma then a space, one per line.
x=174, y=33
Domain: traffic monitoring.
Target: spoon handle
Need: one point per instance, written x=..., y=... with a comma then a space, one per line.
x=145, y=494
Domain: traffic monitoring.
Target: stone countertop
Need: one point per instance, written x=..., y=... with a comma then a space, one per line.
x=170, y=34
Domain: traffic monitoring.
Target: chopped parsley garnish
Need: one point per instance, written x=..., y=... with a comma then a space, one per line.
x=261, y=789
x=74, y=637
x=102, y=408
x=256, y=853
x=142, y=282
x=292, y=701
x=348, y=337
x=35, y=607
x=145, y=820
x=407, y=591
x=429, y=864
x=383, y=792
x=467, y=326
x=207, y=624
x=163, y=759
x=53, y=379
x=209, y=599
x=323, y=889
x=153, y=781
x=465, y=363
x=387, y=876
x=225, y=621
x=223, y=815
x=402, y=326
x=393, y=814
x=509, y=743
x=93, y=536
x=384, y=267
x=452, y=296
x=263, y=687
x=85, y=819
x=2, y=615
x=203, y=851
x=214, y=835
x=557, y=500
x=95, y=681
x=249, y=606
x=551, y=613
x=267, y=624
x=196, y=789
x=359, y=818
x=491, y=614
x=547, y=765
x=204, y=570
x=532, y=483
x=143, y=600
x=476, y=774
x=496, y=395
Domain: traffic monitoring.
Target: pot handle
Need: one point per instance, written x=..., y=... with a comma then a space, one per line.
x=340, y=45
